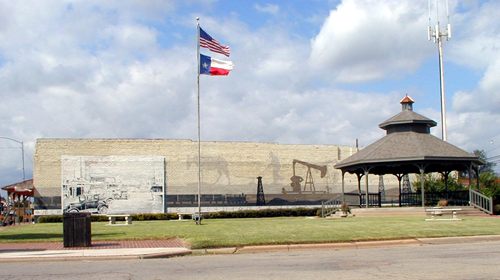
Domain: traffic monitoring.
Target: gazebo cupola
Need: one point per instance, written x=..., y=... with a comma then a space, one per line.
x=407, y=103
x=407, y=120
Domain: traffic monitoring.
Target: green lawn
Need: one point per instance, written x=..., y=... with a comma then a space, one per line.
x=239, y=232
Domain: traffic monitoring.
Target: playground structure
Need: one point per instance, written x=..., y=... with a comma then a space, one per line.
x=17, y=207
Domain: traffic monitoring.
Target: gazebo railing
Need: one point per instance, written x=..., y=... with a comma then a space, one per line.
x=410, y=199
x=374, y=199
x=481, y=201
x=457, y=198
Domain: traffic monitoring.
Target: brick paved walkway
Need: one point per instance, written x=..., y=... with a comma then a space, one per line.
x=161, y=243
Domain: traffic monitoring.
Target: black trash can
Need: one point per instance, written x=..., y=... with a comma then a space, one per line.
x=76, y=230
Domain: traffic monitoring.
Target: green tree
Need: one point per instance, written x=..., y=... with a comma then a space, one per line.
x=488, y=165
x=488, y=184
x=488, y=180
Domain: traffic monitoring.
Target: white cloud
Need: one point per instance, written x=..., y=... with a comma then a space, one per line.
x=268, y=8
x=476, y=113
x=84, y=70
x=366, y=40
x=475, y=35
x=473, y=119
x=97, y=70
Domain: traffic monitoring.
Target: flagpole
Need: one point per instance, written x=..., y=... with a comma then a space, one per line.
x=199, y=130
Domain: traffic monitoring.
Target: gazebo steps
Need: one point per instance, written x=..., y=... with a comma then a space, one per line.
x=410, y=211
x=472, y=211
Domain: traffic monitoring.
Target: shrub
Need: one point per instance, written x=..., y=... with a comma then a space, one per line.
x=288, y=212
x=434, y=183
x=496, y=209
x=154, y=216
x=345, y=208
x=50, y=219
x=264, y=213
x=442, y=203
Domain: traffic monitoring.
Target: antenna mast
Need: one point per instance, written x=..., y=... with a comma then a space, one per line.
x=436, y=34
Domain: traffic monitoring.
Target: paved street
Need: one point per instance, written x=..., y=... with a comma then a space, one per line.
x=479, y=260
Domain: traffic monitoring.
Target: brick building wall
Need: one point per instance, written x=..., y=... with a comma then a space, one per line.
x=227, y=167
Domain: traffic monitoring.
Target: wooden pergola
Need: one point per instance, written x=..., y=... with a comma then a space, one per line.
x=408, y=147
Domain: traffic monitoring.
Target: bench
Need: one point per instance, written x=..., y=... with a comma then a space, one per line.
x=439, y=212
x=193, y=215
x=112, y=219
x=182, y=215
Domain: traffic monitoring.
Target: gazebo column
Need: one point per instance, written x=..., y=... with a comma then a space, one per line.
x=400, y=177
x=477, y=177
x=470, y=176
x=359, y=187
x=367, y=171
x=343, y=192
x=421, y=168
x=470, y=181
x=446, y=175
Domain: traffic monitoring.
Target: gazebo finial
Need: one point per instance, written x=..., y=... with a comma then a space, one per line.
x=407, y=103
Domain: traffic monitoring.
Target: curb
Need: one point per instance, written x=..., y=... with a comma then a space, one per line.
x=346, y=245
x=164, y=256
x=458, y=239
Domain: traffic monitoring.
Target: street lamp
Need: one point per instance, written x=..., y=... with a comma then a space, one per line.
x=22, y=151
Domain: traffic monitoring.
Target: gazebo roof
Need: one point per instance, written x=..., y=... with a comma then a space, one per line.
x=21, y=188
x=407, y=145
x=406, y=149
x=406, y=117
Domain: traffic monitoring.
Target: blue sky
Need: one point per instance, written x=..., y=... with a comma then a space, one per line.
x=311, y=72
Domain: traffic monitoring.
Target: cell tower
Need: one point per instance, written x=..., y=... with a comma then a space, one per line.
x=437, y=34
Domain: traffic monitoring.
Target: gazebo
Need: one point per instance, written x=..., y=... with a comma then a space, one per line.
x=18, y=203
x=408, y=147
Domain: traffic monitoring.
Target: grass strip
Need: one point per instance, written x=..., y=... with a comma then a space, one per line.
x=215, y=233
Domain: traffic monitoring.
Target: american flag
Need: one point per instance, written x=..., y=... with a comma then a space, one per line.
x=206, y=41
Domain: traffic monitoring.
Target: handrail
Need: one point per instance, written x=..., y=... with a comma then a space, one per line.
x=481, y=201
x=329, y=207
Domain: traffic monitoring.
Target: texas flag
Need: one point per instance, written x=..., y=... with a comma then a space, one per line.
x=214, y=67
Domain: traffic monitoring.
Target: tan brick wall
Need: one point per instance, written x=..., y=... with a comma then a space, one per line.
x=227, y=167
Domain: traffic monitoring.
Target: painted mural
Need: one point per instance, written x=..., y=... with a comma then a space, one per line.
x=113, y=184
x=233, y=181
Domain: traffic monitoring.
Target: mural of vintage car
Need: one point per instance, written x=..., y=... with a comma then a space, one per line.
x=92, y=206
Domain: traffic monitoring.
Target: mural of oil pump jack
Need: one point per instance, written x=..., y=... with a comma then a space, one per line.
x=309, y=187
x=112, y=184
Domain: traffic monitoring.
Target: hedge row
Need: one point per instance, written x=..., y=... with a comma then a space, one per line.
x=290, y=212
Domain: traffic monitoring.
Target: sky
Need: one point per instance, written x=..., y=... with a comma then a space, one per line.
x=306, y=72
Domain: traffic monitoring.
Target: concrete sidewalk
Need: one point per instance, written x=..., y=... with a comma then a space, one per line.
x=121, y=249
x=89, y=254
x=144, y=249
